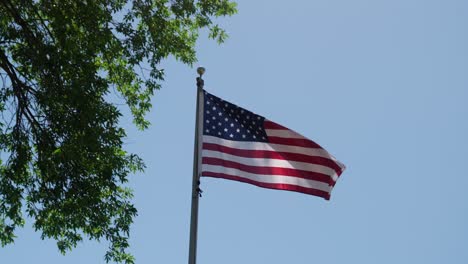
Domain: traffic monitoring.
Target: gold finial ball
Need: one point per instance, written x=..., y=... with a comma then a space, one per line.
x=201, y=70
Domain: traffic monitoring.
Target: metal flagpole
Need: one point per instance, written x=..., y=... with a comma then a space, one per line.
x=196, y=192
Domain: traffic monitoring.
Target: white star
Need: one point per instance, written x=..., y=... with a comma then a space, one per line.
x=214, y=118
x=259, y=118
x=225, y=130
x=226, y=105
x=214, y=108
x=219, y=133
x=231, y=135
x=248, y=117
x=207, y=131
x=207, y=102
x=207, y=111
x=254, y=136
x=242, y=111
x=243, y=136
x=213, y=127
x=248, y=131
x=220, y=114
x=232, y=124
x=237, y=130
x=263, y=138
x=207, y=121
x=253, y=122
x=219, y=123
x=226, y=119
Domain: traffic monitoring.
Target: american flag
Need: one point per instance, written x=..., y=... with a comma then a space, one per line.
x=242, y=146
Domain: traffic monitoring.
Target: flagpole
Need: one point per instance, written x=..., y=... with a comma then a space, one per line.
x=196, y=192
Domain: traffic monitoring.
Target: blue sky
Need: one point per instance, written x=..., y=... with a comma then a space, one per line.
x=382, y=85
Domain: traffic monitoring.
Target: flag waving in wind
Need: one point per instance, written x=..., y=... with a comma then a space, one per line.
x=242, y=146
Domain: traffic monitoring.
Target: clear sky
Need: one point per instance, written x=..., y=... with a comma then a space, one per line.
x=382, y=85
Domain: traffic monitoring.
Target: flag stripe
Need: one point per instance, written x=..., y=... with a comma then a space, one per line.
x=293, y=142
x=274, y=155
x=272, y=179
x=261, y=162
x=283, y=133
x=267, y=124
x=319, y=152
x=287, y=187
x=271, y=170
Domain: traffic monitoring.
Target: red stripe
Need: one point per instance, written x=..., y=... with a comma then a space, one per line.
x=277, y=186
x=272, y=125
x=293, y=142
x=315, y=176
x=268, y=154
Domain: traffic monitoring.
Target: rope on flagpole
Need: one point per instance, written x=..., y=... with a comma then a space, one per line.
x=200, y=85
x=196, y=191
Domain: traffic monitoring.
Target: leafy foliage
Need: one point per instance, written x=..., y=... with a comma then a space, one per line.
x=63, y=163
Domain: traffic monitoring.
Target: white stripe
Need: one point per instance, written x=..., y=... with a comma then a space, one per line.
x=274, y=179
x=316, y=152
x=259, y=162
x=284, y=133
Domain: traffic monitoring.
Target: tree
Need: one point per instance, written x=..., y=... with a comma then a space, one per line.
x=63, y=163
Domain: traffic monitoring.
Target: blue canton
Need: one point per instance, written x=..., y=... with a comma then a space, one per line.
x=228, y=121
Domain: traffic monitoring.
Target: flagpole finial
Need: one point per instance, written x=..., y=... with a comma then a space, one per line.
x=200, y=82
x=201, y=71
